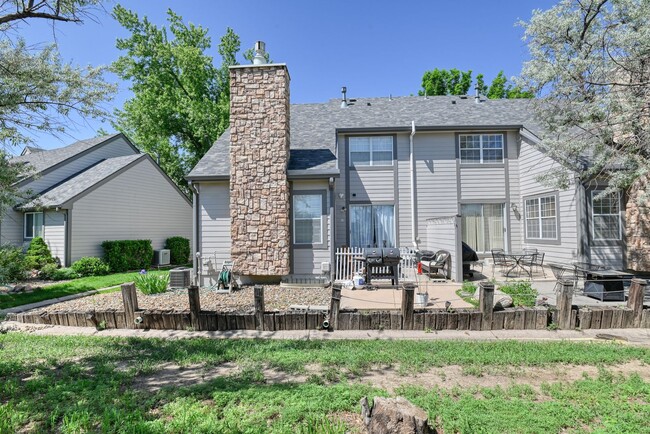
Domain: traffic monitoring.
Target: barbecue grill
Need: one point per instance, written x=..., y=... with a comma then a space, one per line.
x=382, y=263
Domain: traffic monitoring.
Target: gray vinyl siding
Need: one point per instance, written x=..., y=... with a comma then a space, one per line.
x=436, y=180
x=139, y=203
x=608, y=256
x=533, y=163
x=308, y=261
x=372, y=185
x=478, y=182
x=54, y=233
x=214, y=228
x=404, y=190
x=11, y=228
x=340, y=198
x=515, y=234
x=116, y=148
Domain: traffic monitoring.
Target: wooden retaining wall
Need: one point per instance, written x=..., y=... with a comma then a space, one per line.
x=565, y=316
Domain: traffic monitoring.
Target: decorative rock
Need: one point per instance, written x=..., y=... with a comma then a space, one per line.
x=394, y=415
x=502, y=300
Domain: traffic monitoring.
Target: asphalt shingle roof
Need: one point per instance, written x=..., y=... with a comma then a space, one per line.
x=44, y=159
x=72, y=187
x=314, y=126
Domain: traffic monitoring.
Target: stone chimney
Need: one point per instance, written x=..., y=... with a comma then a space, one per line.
x=259, y=155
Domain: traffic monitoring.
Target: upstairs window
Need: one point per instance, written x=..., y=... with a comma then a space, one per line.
x=481, y=148
x=371, y=151
x=606, y=216
x=33, y=225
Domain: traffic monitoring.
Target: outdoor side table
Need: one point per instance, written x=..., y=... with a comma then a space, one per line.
x=606, y=285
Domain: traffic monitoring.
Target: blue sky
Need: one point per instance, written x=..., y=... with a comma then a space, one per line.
x=375, y=48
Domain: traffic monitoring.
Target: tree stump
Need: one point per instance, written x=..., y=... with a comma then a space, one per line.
x=394, y=415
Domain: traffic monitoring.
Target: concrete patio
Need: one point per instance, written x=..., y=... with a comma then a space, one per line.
x=384, y=296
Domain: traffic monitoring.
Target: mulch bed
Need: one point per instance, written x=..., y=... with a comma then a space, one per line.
x=240, y=301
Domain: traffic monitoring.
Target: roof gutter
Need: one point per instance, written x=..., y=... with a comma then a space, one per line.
x=412, y=163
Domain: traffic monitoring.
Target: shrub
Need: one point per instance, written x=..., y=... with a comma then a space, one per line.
x=12, y=264
x=65, y=274
x=179, y=249
x=38, y=254
x=90, y=266
x=125, y=255
x=150, y=283
x=48, y=271
x=521, y=292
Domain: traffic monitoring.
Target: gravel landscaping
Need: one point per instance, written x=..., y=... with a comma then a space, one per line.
x=275, y=298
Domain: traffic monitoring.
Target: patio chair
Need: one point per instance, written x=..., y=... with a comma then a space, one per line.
x=538, y=262
x=499, y=259
x=530, y=250
x=440, y=264
x=564, y=273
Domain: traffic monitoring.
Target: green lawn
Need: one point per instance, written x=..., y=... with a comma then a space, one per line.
x=68, y=288
x=82, y=384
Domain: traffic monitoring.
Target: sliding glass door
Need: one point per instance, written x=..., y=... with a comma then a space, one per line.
x=372, y=226
x=483, y=226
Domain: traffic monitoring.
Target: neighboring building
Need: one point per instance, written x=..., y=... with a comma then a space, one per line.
x=91, y=191
x=288, y=184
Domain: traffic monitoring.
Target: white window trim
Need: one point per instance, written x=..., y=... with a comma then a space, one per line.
x=539, y=218
x=371, y=160
x=320, y=219
x=460, y=155
x=33, y=227
x=620, y=223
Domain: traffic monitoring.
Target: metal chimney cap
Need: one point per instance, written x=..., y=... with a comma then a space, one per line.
x=260, y=53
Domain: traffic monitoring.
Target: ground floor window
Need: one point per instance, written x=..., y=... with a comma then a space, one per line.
x=483, y=226
x=541, y=218
x=33, y=224
x=308, y=218
x=372, y=226
x=606, y=215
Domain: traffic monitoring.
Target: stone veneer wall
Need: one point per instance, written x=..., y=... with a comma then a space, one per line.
x=637, y=229
x=259, y=155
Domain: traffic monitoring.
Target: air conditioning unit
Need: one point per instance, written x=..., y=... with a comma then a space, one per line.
x=179, y=277
x=161, y=257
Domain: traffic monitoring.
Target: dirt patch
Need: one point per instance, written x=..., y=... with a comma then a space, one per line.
x=391, y=378
x=173, y=375
x=353, y=421
x=448, y=377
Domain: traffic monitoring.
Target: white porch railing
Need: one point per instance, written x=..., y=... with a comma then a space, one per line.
x=350, y=260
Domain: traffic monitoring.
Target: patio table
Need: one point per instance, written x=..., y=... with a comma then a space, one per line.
x=518, y=259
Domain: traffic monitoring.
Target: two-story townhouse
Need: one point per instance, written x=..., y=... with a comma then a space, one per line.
x=91, y=191
x=374, y=172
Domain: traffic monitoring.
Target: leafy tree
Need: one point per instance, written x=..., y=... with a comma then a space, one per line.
x=41, y=92
x=446, y=82
x=591, y=60
x=500, y=88
x=181, y=99
x=455, y=82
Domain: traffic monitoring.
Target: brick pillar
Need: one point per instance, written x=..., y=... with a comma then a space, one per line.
x=259, y=155
x=637, y=225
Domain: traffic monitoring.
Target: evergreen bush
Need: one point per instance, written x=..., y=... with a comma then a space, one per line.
x=179, y=249
x=38, y=254
x=125, y=255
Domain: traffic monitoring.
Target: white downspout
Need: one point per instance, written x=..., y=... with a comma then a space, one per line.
x=412, y=163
